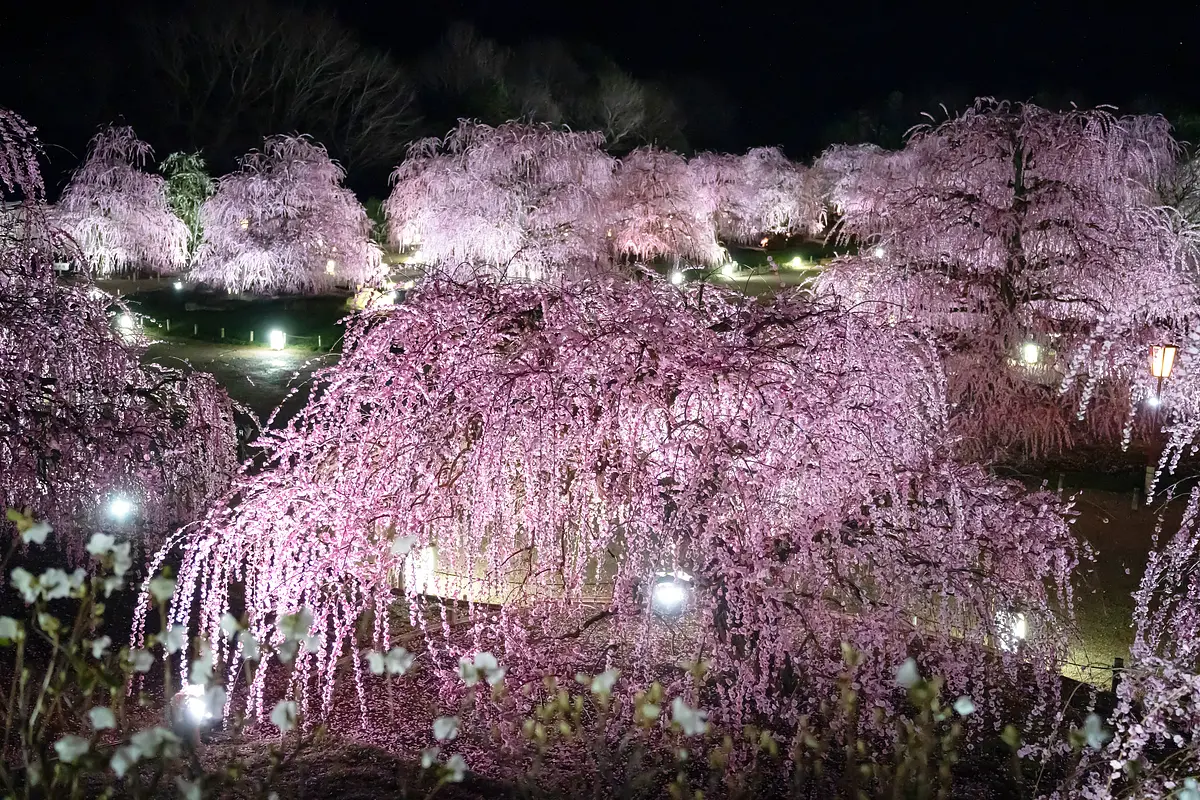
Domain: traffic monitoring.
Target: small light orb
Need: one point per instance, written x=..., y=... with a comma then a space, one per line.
x=119, y=508
x=763, y=241
x=178, y=286
x=125, y=322
x=1030, y=353
x=193, y=703
x=796, y=262
x=879, y=252
x=669, y=597
x=277, y=339
x=676, y=277
x=330, y=267
x=730, y=269
x=1153, y=401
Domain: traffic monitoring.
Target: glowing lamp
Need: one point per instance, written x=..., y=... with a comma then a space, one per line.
x=676, y=277
x=192, y=702
x=277, y=339
x=1030, y=353
x=763, y=241
x=119, y=508
x=796, y=262
x=730, y=269
x=178, y=286
x=125, y=322
x=1013, y=629
x=879, y=252
x=1162, y=360
x=330, y=266
x=669, y=596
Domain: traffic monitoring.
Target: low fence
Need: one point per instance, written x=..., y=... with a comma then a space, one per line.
x=273, y=338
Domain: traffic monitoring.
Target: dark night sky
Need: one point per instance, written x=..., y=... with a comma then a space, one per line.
x=786, y=69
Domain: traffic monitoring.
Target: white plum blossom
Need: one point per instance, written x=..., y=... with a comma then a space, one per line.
x=26, y=584
x=429, y=757
x=70, y=748
x=175, y=639
x=907, y=676
x=445, y=729
x=102, y=718
x=36, y=533
x=141, y=660
x=99, y=646
x=604, y=682
x=162, y=588
x=484, y=665
x=283, y=716
x=456, y=768
x=229, y=625
x=691, y=720
x=9, y=628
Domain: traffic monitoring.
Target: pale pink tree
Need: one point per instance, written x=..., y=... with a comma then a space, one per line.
x=1028, y=244
x=759, y=194
x=84, y=422
x=566, y=449
x=117, y=212
x=285, y=223
x=517, y=201
x=659, y=209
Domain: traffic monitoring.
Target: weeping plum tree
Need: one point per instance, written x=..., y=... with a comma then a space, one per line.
x=658, y=209
x=549, y=453
x=117, y=212
x=1027, y=242
x=285, y=223
x=83, y=421
x=759, y=193
x=520, y=201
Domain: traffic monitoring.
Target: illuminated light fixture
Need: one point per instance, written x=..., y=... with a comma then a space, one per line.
x=192, y=696
x=178, y=286
x=669, y=595
x=730, y=269
x=676, y=277
x=245, y=223
x=796, y=262
x=330, y=266
x=1030, y=353
x=126, y=323
x=1153, y=401
x=1013, y=629
x=879, y=252
x=119, y=508
x=277, y=339
x=763, y=241
x=1162, y=361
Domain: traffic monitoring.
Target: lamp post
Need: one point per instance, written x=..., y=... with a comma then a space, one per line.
x=1162, y=361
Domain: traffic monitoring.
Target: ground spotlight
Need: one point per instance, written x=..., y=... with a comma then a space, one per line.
x=178, y=286
x=676, y=277
x=119, y=508
x=669, y=594
x=277, y=339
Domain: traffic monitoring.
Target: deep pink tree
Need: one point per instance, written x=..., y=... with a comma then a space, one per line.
x=565, y=448
x=82, y=421
x=758, y=194
x=285, y=223
x=1028, y=244
x=521, y=201
x=117, y=212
